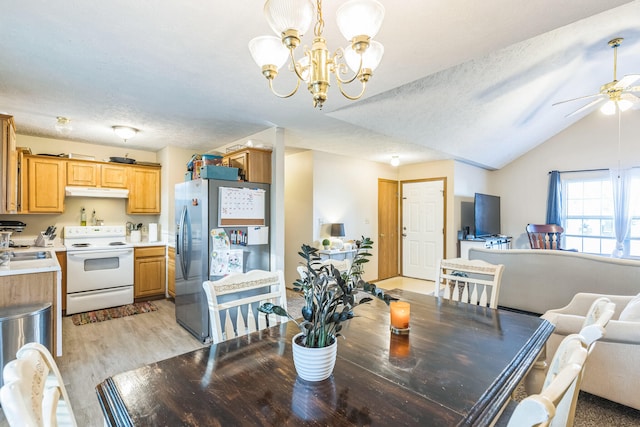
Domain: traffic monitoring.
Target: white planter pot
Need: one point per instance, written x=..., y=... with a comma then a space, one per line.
x=314, y=364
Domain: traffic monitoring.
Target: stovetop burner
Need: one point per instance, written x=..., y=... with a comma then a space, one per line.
x=117, y=244
x=81, y=245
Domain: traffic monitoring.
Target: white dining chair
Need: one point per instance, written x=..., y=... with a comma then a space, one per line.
x=33, y=393
x=553, y=405
x=471, y=281
x=234, y=300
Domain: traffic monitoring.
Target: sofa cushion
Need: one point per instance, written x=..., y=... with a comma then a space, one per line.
x=631, y=312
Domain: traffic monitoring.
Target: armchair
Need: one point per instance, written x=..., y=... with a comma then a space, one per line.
x=609, y=373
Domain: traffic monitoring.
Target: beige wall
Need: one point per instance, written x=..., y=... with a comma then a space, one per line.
x=591, y=143
x=112, y=211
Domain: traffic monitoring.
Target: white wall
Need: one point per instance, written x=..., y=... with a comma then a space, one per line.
x=298, y=212
x=591, y=143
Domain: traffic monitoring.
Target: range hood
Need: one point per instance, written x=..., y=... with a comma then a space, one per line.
x=115, y=193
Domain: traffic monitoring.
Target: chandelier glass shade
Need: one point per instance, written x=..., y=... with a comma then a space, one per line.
x=358, y=20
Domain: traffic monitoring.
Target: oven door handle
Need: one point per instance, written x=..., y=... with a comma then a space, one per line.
x=91, y=254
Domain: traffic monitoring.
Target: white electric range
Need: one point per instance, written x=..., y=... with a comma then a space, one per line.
x=99, y=267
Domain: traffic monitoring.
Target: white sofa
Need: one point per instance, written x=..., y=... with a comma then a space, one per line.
x=611, y=370
x=537, y=280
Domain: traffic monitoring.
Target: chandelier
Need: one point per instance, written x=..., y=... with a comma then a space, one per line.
x=358, y=20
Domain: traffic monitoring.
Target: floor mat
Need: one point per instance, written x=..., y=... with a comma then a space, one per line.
x=113, y=313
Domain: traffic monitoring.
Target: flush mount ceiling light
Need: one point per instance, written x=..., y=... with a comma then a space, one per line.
x=63, y=125
x=395, y=160
x=125, y=132
x=358, y=20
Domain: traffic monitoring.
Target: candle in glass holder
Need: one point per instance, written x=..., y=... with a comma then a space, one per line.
x=400, y=313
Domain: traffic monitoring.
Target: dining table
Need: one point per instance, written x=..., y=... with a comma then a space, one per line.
x=458, y=365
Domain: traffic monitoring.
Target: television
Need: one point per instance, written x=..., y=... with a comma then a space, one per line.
x=486, y=211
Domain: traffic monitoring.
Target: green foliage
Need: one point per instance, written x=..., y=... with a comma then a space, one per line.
x=329, y=296
x=326, y=242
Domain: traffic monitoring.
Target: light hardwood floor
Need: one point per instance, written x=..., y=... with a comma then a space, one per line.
x=96, y=351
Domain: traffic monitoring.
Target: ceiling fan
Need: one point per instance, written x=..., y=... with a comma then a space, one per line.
x=613, y=95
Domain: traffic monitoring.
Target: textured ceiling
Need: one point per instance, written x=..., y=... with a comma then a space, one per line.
x=472, y=81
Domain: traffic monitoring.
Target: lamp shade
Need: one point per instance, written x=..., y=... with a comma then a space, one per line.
x=609, y=108
x=360, y=18
x=268, y=50
x=370, y=58
x=285, y=15
x=337, y=230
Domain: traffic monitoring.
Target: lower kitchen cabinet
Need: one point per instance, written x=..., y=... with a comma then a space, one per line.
x=149, y=271
x=171, y=272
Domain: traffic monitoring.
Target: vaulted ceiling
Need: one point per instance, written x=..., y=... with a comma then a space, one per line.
x=467, y=80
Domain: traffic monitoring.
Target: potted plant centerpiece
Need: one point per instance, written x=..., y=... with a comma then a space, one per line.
x=330, y=297
x=326, y=244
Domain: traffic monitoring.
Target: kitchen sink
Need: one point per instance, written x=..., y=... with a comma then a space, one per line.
x=30, y=256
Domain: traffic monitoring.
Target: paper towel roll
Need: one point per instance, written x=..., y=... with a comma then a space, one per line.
x=153, y=232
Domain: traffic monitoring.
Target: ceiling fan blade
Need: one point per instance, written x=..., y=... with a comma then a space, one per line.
x=633, y=89
x=627, y=80
x=586, y=107
x=576, y=99
x=629, y=97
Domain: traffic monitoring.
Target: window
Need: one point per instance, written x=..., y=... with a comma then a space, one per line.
x=589, y=215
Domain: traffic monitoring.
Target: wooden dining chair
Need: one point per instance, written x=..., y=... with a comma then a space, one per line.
x=33, y=393
x=545, y=236
x=471, y=281
x=234, y=300
x=553, y=405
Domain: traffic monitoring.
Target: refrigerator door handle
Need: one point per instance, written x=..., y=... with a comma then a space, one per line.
x=180, y=243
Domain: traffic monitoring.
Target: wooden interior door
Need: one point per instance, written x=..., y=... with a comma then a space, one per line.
x=387, y=228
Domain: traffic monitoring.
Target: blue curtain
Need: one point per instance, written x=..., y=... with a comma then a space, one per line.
x=554, y=199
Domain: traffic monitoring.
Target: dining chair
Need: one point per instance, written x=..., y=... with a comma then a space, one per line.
x=552, y=406
x=234, y=300
x=33, y=393
x=545, y=236
x=471, y=281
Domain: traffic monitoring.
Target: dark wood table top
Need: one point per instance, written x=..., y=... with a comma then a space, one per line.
x=458, y=366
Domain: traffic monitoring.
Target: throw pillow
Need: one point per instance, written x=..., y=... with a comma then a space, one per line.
x=631, y=312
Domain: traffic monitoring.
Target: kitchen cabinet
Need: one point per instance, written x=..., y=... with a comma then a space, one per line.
x=149, y=271
x=9, y=163
x=144, y=190
x=45, y=184
x=93, y=174
x=171, y=272
x=254, y=164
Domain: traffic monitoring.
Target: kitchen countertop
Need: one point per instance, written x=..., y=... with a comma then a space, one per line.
x=31, y=266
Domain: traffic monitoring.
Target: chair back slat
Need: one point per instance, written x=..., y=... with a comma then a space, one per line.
x=234, y=301
x=470, y=281
x=545, y=236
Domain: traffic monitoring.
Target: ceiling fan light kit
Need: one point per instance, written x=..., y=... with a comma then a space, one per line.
x=614, y=96
x=358, y=20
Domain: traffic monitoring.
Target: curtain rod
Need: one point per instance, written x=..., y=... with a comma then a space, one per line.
x=589, y=170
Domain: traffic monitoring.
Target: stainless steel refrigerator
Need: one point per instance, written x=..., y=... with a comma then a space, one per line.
x=197, y=208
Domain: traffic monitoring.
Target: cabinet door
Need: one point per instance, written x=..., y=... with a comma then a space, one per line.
x=46, y=185
x=171, y=272
x=9, y=157
x=149, y=271
x=113, y=176
x=255, y=164
x=144, y=191
x=84, y=174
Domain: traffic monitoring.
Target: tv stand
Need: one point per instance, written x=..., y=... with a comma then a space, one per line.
x=488, y=242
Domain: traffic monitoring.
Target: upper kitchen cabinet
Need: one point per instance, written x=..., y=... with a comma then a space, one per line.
x=45, y=184
x=254, y=164
x=9, y=162
x=93, y=174
x=144, y=190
